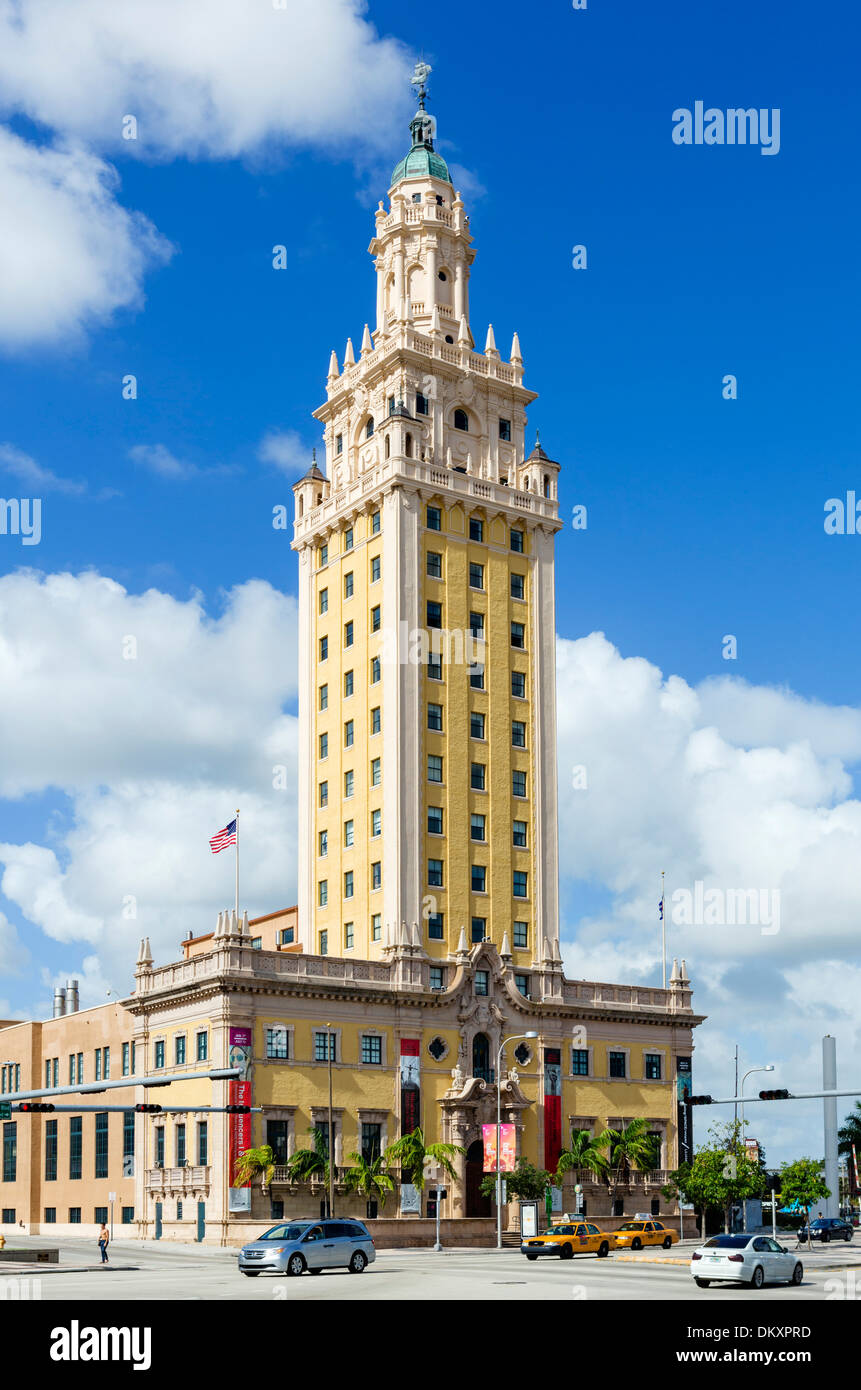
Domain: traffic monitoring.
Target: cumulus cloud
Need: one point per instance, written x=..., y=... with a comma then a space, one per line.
x=70, y=255
x=204, y=78
x=33, y=475
x=170, y=719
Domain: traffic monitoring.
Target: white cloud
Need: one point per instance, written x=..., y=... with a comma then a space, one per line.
x=13, y=955
x=669, y=788
x=286, y=450
x=152, y=754
x=159, y=459
x=33, y=475
x=205, y=78
x=70, y=256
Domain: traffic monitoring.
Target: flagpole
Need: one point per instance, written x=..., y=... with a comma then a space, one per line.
x=663, y=928
x=237, y=863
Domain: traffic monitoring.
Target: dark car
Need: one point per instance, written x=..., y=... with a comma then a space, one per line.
x=827, y=1228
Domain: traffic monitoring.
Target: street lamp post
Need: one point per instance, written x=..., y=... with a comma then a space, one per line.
x=515, y=1037
x=769, y=1067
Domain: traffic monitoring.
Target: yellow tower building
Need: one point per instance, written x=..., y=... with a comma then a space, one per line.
x=427, y=792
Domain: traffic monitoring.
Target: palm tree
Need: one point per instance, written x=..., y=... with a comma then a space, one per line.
x=369, y=1178
x=413, y=1154
x=252, y=1164
x=312, y=1162
x=849, y=1133
x=586, y=1151
x=631, y=1147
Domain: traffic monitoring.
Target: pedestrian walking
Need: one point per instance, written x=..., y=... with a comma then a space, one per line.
x=104, y=1240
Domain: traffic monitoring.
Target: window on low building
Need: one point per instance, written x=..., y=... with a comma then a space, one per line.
x=580, y=1061
x=653, y=1066
x=482, y=980
x=617, y=1064
x=435, y=926
x=372, y=1050
x=277, y=1042
x=520, y=935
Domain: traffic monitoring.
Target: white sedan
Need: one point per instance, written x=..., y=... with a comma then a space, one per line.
x=745, y=1259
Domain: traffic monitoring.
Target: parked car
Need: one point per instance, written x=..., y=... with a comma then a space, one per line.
x=635, y=1234
x=292, y=1247
x=827, y=1228
x=745, y=1259
x=567, y=1239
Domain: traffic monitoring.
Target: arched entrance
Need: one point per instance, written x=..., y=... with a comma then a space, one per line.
x=481, y=1057
x=476, y=1205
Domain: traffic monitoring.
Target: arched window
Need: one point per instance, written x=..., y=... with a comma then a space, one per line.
x=408, y=446
x=461, y=420
x=481, y=1057
x=546, y=485
x=301, y=506
x=369, y=427
x=388, y=448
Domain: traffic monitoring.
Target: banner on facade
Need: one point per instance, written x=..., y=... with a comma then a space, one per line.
x=684, y=1125
x=552, y=1107
x=239, y=1130
x=411, y=1200
x=507, y=1147
x=410, y=1085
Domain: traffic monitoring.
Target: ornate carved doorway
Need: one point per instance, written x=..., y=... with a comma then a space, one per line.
x=476, y=1205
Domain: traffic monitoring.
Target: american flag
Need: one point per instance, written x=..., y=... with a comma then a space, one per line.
x=225, y=837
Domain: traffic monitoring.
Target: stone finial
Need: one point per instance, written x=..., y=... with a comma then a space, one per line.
x=243, y=926
x=683, y=974
x=463, y=333
x=145, y=955
x=416, y=935
x=349, y=355
x=548, y=954
x=490, y=345
x=462, y=948
x=404, y=937
x=516, y=354
x=674, y=977
x=367, y=345
x=436, y=326
x=505, y=949
x=334, y=371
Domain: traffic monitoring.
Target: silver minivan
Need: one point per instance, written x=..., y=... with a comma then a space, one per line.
x=291, y=1247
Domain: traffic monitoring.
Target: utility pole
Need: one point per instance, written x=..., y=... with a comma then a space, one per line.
x=829, y=1113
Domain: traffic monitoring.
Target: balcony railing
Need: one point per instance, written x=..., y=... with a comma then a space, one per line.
x=186, y=1179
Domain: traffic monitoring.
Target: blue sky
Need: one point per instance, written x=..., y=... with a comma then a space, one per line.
x=705, y=515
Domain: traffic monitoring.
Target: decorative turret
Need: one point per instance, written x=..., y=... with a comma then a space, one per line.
x=540, y=473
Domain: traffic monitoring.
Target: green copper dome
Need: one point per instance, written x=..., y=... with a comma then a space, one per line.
x=422, y=162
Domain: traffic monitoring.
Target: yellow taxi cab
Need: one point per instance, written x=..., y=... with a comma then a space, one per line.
x=635, y=1234
x=567, y=1239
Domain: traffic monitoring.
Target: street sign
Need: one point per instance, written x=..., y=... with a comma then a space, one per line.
x=5, y=1110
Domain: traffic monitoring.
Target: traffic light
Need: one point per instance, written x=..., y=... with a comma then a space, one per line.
x=699, y=1100
x=774, y=1095
x=237, y=1109
x=5, y=1110
x=34, y=1106
x=148, y=1109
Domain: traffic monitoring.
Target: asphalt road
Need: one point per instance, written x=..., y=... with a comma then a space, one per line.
x=183, y=1274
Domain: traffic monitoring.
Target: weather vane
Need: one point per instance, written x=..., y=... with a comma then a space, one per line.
x=420, y=76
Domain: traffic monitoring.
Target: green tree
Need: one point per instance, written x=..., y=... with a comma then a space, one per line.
x=703, y=1183
x=369, y=1179
x=526, y=1182
x=586, y=1151
x=803, y=1182
x=414, y=1156
x=312, y=1162
x=254, y=1163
